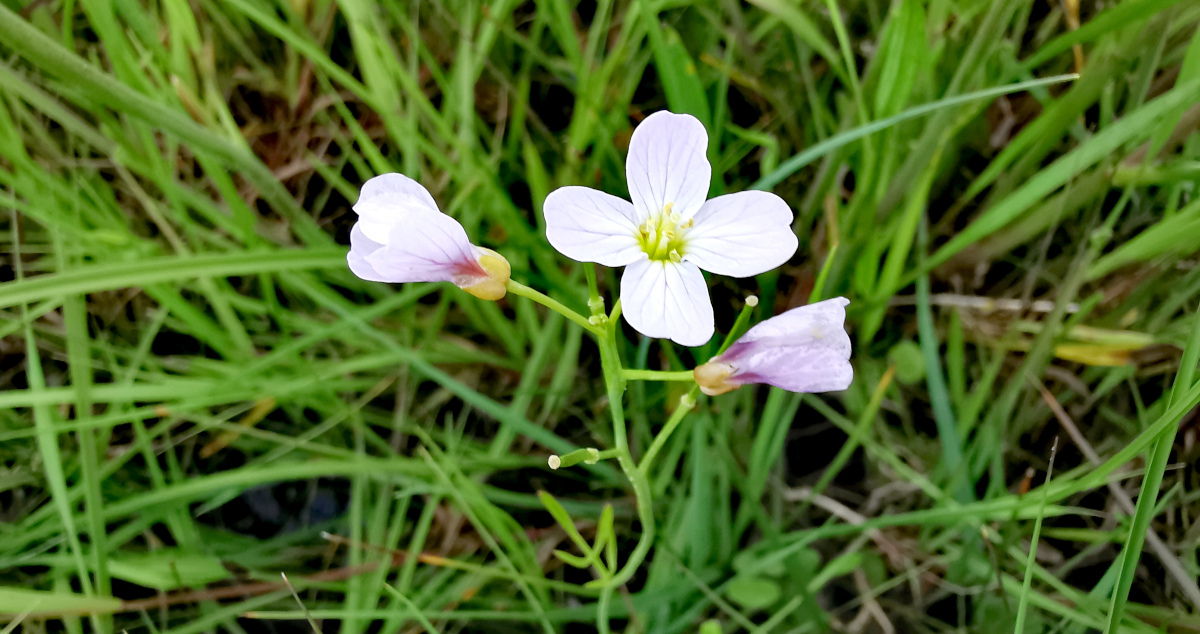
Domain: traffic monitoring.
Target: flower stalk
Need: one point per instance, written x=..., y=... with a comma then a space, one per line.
x=656, y=375
x=517, y=288
x=587, y=455
x=614, y=383
x=686, y=403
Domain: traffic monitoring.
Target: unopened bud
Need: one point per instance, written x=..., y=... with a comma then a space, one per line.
x=804, y=350
x=495, y=285
x=711, y=377
x=587, y=455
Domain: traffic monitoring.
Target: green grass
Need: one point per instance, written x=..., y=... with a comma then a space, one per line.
x=175, y=187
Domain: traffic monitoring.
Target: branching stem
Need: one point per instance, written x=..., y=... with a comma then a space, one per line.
x=614, y=383
x=604, y=328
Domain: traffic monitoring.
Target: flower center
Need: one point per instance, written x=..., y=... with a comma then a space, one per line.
x=661, y=236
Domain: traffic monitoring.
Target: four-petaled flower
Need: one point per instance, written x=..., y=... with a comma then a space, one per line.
x=402, y=236
x=670, y=232
x=805, y=349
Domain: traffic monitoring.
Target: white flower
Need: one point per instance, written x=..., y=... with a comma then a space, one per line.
x=670, y=232
x=805, y=349
x=402, y=236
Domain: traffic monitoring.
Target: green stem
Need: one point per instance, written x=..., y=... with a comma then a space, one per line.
x=589, y=272
x=517, y=288
x=689, y=401
x=819, y=287
x=743, y=318
x=587, y=455
x=610, y=362
x=685, y=405
x=602, y=609
x=614, y=383
x=655, y=375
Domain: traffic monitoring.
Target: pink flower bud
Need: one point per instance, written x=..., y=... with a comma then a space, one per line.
x=805, y=349
x=401, y=236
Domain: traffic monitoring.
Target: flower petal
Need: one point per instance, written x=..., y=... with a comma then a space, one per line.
x=798, y=371
x=741, y=234
x=822, y=324
x=362, y=247
x=667, y=300
x=591, y=226
x=667, y=164
x=805, y=349
x=385, y=200
x=426, y=246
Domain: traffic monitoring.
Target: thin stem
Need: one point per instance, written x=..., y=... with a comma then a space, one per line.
x=742, y=319
x=588, y=455
x=517, y=288
x=589, y=272
x=685, y=405
x=819, y=287
x=602, y=608
x=689, y=400
x=656, y=375
x=610, y=362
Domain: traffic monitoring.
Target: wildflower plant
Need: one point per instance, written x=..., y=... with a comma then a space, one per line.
x=664, y=237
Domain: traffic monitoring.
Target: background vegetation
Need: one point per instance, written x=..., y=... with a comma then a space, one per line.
x=198, y=395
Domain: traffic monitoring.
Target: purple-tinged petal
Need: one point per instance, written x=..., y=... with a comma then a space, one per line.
x=361, y=247
x=805, y=349
x=817, y=370
x=822, y=324
x=386, y=200
x=427, y=247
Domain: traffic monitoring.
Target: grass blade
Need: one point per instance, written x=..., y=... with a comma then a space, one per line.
x=792, y=165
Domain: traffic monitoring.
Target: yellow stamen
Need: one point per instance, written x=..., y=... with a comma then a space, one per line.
x=661, y=236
